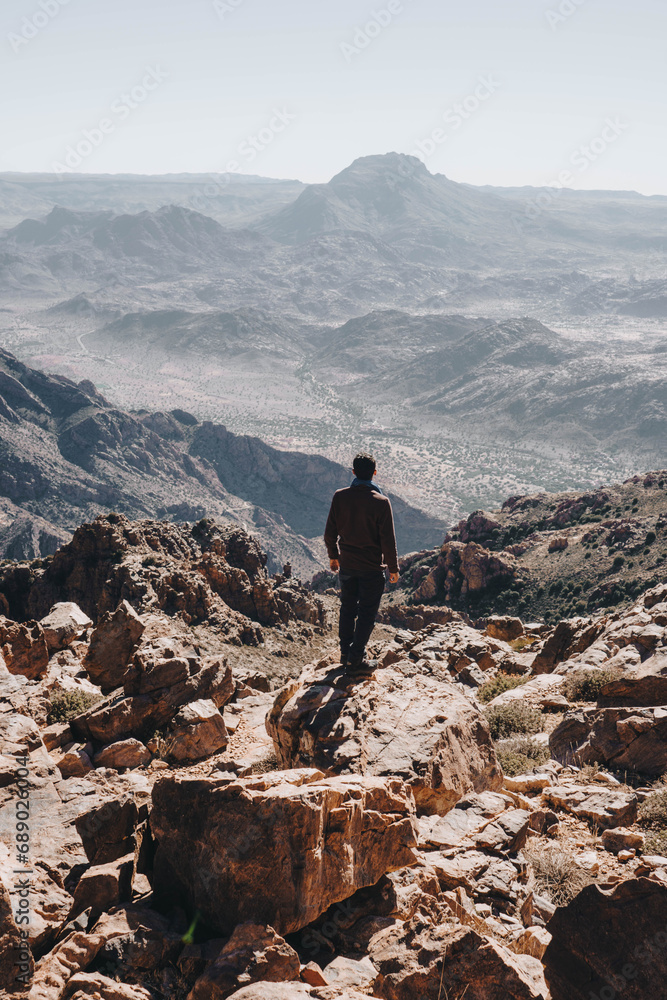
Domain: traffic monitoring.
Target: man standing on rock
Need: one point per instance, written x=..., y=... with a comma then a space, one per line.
x=360, y=540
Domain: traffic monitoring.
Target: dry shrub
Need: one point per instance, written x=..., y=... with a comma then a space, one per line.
x=586, y=684
x=515, y=717
x=556, y=872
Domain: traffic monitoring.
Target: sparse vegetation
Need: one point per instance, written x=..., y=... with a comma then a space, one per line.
x=586, y=684
x=516, y=717
x=66, y=705
x=521, y=755
x=499, y=684
x=556, y=872
x=653, y=813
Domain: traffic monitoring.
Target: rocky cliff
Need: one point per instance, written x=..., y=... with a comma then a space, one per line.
x=66, y=455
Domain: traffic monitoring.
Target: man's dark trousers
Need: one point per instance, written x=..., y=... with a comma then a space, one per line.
x=359, y=602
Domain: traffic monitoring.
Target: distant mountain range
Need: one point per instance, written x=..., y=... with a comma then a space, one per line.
x=390, y=304
x=66, y=455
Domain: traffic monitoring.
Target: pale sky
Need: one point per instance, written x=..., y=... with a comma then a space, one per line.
x=315, y=92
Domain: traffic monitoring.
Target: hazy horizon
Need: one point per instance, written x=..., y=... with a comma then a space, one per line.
x=509, y=97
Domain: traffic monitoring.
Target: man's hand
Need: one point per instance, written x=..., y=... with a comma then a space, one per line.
x=334, y=565
x=393, y=577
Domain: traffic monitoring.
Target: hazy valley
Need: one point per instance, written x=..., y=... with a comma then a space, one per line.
x=482, y=347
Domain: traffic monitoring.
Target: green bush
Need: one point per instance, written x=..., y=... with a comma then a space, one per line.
x=498, y=684
x=66, y=705
x=650, y=538
x=515, y=717
x=586, y=684
x=521, y=754
x=618, y=562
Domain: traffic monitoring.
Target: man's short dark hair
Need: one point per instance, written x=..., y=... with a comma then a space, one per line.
x=363, y=465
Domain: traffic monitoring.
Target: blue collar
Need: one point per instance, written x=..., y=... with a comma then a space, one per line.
x=366, y=482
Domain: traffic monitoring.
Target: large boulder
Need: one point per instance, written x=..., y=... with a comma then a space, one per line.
x=402, y=722
x=626, y=739
x=198, y=730
x=111, y=646
x=254, y=953
x=610, y=943
x=573, y=635
x=645, y=684
x=23, y=648
x=278, y=848
x=64, y=623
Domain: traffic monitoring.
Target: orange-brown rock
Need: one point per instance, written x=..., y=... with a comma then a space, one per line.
x=111, y=646
x=23, y=648
x=254, y=953
x=610, y=942
x=124, y=753
x=402, y=722
x=64, y=623
x=103, y=886
x=417, y=959
x=278, y=848
x=198, y=730
x=158, y=691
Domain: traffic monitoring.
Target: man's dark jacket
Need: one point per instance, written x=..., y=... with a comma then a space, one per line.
x=360, y=531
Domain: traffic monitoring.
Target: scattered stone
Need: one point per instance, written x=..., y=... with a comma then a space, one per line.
x=533, y=941
x=313, y=841
x=113, y=829
x=23, y=648
x=74, y=762
x=104, y=886
x=417, y=959
x=313, y=975
x=156, y=695
x=604, y=808
x=627, y=739
x=57, y=735
x=350, y=972
x=504, y=627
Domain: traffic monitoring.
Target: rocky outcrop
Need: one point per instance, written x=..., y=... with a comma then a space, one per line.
x=417, y=959
x=223, y=842
x=626, y=739
x=609, y=943
x=152, y=695
x=467, y=570
x=401, y=722
x=213, y=574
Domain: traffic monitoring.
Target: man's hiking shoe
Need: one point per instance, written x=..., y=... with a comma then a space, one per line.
x=361, y=668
